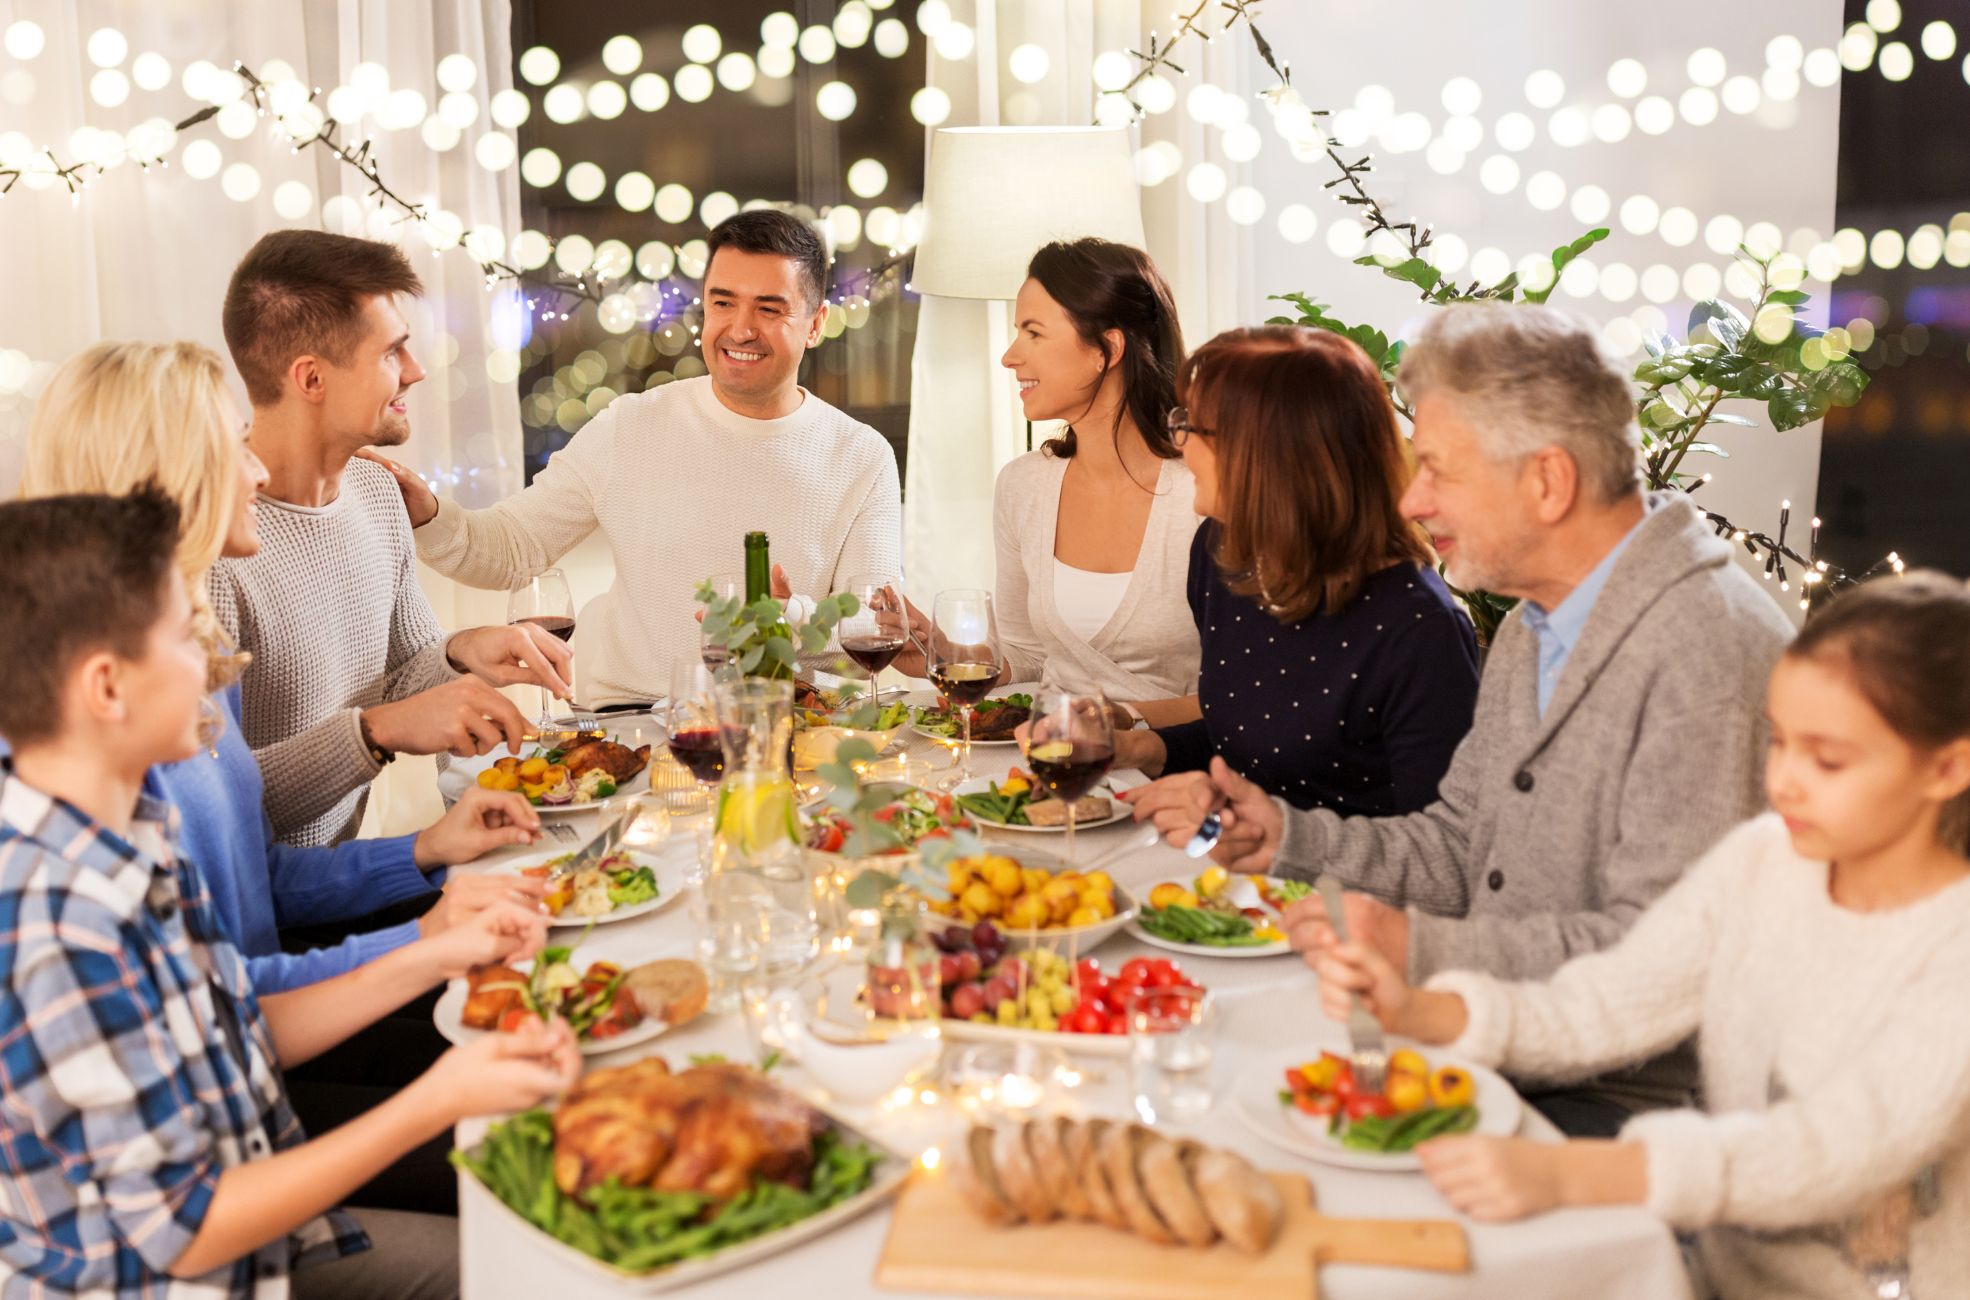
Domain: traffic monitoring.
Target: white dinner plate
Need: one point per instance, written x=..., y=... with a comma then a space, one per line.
x=1256, y=1096
x=672, y=873
x=1241, y=891
x=927, y=699
x=633, y=730
x=448, y=1017
x=1117, y=810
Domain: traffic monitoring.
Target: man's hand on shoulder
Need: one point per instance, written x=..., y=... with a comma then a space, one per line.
x=420, y=503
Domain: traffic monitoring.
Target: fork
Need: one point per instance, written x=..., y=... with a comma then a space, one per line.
x=560, y=831
x=1368, y=1048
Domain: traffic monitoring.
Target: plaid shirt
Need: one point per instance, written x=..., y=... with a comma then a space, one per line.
x=135, y=1066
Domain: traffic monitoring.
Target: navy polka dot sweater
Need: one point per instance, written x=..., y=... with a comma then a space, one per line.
x=1358, y=711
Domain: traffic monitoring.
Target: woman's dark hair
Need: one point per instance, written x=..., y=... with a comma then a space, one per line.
x=1310, y=465
x=1905, y=642
x=1105, y=286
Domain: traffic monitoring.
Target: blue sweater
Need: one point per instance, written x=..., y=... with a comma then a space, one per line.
x=259, y=886
x=1358, y=710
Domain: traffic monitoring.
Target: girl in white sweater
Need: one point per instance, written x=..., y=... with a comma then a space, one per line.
x=1821, y=954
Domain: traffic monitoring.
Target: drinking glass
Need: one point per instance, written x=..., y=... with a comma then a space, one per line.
x=1172, y=1033
x=732, y=938
x=545, y=601
x=964, y=659
x=692, y=720
x=1070, y=746
x=726, y=586
x=879, y=628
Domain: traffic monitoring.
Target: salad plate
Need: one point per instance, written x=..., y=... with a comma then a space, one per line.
x=634, y=883
x=450, y=1013
x=927, y=719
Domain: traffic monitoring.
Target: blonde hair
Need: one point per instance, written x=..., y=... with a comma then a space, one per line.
x=120, y=415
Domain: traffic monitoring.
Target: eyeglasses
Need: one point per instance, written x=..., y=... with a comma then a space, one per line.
x=1177, y=424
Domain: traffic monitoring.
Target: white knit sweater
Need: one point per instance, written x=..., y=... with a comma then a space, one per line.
x=675, y=480
x=1148, y=648
x=332, y=613
x=1835, y=1055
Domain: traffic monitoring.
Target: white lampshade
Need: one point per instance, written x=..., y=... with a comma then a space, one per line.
x=995, y=194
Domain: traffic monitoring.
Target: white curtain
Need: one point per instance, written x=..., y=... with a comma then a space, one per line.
x=956, y=450
x=147, y=255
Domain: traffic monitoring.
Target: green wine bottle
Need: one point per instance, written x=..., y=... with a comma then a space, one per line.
x=759, y=586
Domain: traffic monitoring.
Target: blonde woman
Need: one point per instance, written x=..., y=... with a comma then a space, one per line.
x=123, y=414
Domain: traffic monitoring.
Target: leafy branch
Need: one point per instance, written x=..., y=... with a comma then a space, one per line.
x=758, y=637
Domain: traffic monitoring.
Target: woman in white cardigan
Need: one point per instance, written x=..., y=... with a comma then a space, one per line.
x=1819, y=955
x=1093, y=530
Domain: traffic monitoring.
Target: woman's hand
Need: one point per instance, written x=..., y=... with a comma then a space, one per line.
x=467, y=896
x=1142, y=750
x=915, y=625
x=503, y=931
x=1493, y=1179
x=1176, y=805
x=419, y=501
x=481, y=821
x=505, y=1072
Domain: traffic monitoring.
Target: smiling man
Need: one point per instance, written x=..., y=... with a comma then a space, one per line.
x=350, y=666
x=676, y=476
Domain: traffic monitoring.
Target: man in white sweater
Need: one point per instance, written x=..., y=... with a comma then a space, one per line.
x=675, y=477
x=350, y=666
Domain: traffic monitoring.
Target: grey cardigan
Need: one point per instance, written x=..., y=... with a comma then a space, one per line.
x=1551, y=834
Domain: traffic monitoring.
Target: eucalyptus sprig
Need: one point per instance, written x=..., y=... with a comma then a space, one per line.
x=758, y=636
x=857, y=801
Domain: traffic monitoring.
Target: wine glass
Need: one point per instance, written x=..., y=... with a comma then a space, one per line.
x=879, y=628
x=1070, y=746
x=691, y=722
x=726, y=586
x=964, y=659
x=545, y=601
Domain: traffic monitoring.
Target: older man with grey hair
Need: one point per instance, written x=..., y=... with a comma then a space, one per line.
x=1619, y=726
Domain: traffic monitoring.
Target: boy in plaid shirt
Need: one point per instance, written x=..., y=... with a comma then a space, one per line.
x=148, y=1147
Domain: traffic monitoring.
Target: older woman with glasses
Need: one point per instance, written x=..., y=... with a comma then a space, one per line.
x=1338, y=671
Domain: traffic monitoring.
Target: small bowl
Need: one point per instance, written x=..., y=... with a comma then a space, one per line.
x=1079, y=938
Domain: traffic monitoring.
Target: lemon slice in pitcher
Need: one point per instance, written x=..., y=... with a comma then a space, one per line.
x=756, y=814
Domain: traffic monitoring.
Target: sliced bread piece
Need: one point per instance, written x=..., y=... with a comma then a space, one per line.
x=1084, y=1157
x=1163, y=1166
x=1118, y=1159
x=1046, y=1141
x=977, y=1181
x=1242, y=1202
x=1017, y=1173
x=671, y=990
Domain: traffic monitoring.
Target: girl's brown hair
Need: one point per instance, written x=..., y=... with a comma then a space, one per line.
x=1905, y=641
x=1310, y=465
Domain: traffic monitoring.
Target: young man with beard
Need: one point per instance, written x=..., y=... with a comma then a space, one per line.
x=1620, y=721
x=676, y=476
x=350, y=666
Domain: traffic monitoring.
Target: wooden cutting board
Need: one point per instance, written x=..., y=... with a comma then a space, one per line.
x=937, y=1244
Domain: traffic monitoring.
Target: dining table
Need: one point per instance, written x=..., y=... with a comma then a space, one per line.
x=1264, y=1006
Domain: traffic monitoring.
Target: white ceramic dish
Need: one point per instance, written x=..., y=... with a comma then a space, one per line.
x=1256, y=1098
x=1241, y=891
x=927, y=699
x=449, y=1013
x=1117, y=810
x=670, y=866
x=633, y=730
x=889, y=1174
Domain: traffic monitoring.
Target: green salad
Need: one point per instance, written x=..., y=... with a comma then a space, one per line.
x=988, y=719
x=639, y=1229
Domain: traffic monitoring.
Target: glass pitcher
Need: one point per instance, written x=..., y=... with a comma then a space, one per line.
x=756, y=847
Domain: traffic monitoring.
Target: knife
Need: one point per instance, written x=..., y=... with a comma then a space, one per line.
x=1367, y=1047
x=596, y=849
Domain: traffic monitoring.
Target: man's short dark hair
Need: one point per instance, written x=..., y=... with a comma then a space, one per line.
x=78, y=574
x=300, y=293
x=770, y=230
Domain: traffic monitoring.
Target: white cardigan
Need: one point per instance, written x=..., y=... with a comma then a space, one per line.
x=1148, y=648
x=1835, y=1053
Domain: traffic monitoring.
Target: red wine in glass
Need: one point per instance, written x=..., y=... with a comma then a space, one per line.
x=701, y=750
x=557, y=624
x=964, y=684
x=1070, y=770
x=874, y=653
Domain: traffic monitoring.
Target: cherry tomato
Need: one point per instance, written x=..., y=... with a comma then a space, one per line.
x=832, y=841
x=887, y=813
x=513, y=1019
x=1297, y=1080
x=945, y=804
x=1316, y=1103
x=939, y=834
x=1118, y=995
x=1117, y=1025
x=1164, y=979
x=1085, y=1019
x=1088, y=968
x=1163, y=965
x=1359, y=1104
x=1136, y=970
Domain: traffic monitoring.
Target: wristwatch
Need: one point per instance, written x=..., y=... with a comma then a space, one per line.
x=1137, y=720
x=377, y=754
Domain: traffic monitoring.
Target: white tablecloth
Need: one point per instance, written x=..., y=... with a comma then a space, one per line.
x=1266, y=1004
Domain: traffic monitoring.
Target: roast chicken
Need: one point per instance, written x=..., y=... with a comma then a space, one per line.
x=620, y=761
x=711, y=1129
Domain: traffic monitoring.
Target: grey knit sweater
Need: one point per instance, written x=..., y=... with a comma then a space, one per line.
x=1551, y=834
x=333, y=615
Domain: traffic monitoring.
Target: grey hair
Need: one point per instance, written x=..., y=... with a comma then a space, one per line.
x=1529, y=376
